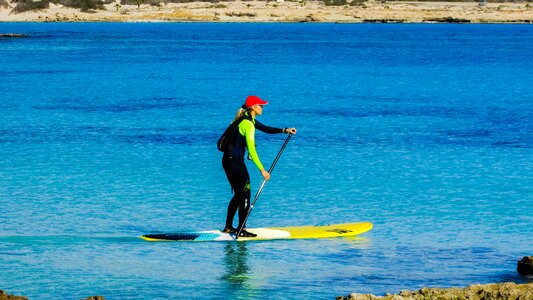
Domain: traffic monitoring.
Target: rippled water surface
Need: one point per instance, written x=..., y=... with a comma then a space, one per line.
x=108, y=131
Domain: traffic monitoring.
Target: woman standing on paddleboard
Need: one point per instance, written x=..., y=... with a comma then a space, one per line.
x=238, y=139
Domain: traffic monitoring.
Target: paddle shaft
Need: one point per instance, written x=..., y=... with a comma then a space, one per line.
x=239, y=230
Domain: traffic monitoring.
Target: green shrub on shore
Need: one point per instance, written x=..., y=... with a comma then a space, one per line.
x=83, y=5
x=357, y=3
x=335, y=2
x=27, y=5
x=137, y=2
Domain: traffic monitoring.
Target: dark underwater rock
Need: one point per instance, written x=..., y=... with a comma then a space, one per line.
x=495, y=291
x=12, y=35
x=525, y=266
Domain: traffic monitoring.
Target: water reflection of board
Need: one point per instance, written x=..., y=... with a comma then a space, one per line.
x=297, y=232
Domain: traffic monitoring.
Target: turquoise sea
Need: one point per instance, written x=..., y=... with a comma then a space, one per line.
x=108, y=131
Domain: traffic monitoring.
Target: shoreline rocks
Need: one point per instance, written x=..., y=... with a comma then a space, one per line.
x=508, y=291
x=5, y=296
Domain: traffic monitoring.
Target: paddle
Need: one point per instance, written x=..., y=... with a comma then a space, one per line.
x=262, y=186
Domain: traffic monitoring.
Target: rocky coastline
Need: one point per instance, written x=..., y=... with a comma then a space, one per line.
x=370, y=11
x=5, y=296
x=495, y=291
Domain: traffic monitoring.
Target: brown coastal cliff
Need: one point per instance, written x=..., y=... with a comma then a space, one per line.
x=284, y=11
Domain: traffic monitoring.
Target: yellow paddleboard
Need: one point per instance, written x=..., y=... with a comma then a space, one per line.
x=297, y=232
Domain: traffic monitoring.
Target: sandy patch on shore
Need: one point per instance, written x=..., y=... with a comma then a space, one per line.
x=304, y=11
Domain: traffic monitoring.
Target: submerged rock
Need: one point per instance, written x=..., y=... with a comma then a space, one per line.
x=508, y=291
x=4, y=296
x=525, y=266
x=12, y=35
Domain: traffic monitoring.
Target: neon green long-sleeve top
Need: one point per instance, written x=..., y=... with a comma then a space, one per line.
x=247, y=129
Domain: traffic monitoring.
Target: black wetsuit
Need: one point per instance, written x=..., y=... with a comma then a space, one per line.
x=237, y=173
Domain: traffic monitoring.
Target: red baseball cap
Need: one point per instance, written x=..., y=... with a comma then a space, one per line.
x=254, y=100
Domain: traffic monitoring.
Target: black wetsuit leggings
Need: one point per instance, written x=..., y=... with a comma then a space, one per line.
x=239, y=179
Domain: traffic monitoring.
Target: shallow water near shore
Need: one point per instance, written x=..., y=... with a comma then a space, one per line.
x=108, y=132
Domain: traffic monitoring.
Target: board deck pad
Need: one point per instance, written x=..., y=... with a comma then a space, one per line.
x=297, y=232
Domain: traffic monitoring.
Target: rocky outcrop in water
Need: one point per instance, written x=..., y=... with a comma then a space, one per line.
x=12, y=35
x=4, y=296
x=525, y=266
x=495, y=291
